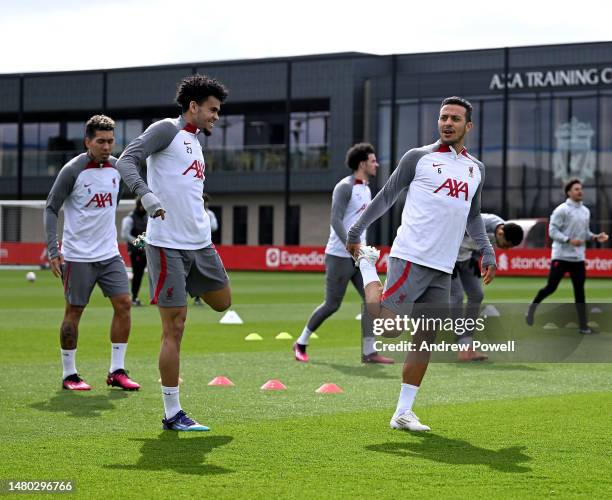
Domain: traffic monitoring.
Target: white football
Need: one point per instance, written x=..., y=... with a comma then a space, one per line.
x=31, y=276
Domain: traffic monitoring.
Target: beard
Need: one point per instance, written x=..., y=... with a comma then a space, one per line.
x=206, y=132
x=451, y=142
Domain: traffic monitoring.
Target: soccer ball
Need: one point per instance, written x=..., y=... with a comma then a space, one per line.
x=31, y=277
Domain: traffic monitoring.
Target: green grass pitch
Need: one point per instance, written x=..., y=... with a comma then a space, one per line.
x=498, y=430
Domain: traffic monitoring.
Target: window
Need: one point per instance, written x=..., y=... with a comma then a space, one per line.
x=43, y=149
x=125, y=132
x=266, y=225
x=8, y=149
x=309, y=140
x=240, y=225
x=292, y=236
x=216, y=235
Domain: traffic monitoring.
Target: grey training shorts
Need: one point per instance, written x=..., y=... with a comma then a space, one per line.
x=409, y=283
x=80, y=278
x=174, y=273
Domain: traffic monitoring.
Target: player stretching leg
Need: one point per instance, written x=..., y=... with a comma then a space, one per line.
x=444, y=184
x=569, y=229
x=466, y=276
x=88, y=187
x=350, y=198
x=180, y=253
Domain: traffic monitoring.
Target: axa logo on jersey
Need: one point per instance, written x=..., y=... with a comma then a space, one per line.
x=454, y=187
x=100, y=200
x=198, y=169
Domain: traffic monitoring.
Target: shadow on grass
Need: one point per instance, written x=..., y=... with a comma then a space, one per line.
x=500, y=367
x=180, y=452
x=369, y=370
x=81, y=403
x=456, y=452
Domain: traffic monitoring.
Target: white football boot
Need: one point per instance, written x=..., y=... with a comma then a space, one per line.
x=370, y=254
x=408, y=420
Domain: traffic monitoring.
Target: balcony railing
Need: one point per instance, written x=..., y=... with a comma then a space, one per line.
x=267, y=158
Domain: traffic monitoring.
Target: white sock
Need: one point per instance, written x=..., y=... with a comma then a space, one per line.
x=406, y=399
x=466, y=340
x=303, y=339
x=368, y=345
x=117, y=357
x=368, y=272
x=172, y=404
x=68, y=362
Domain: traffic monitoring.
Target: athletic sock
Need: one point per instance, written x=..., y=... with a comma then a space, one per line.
x=406, y=399
x=172, y=404
x=117, y=357
x=466, y=340
x=368, y=345
x=368, y=272
x=303, y=339
x=68, y=362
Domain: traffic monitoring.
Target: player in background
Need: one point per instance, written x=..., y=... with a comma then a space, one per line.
x=132, y=226
x=444, y=186
x=214, y=226
x=180, y=254
x=88, y=189
x=569, y=230
x=466, y=276
x=350, y=198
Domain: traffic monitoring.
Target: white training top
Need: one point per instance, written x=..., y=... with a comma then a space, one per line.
x=89, y=194
x=175, y=174
x=350, y=198
x=443, y=200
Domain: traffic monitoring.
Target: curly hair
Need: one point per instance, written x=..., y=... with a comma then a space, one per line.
x=98, y=122
x=198, y=88
x=358, y=153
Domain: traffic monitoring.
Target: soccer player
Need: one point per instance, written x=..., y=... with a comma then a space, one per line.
x=350, y=198
x=88, y=187
x=132, y=226
x=444, y=185
x=466, y=275
x=569, y=229
x=180, y=253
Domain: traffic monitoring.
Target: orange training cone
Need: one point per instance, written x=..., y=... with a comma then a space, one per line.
x=220, y=381
x=273, y=385
x=329, y=389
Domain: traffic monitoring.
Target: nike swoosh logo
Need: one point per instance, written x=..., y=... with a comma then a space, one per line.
x=186, y=143
x=437, y=164
x=87, y=185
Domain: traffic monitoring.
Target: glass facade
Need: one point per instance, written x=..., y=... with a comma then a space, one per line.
x=8, y=149
x=551, y=137
x=253, y=141
x=256, y=142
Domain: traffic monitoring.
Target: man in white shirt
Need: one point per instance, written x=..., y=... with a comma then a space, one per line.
x=88, y=188
x=181, y=257
x=444, y=184
x=569, y=230
x=350, y=198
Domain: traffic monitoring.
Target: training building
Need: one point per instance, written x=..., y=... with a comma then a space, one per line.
x=542, y=114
